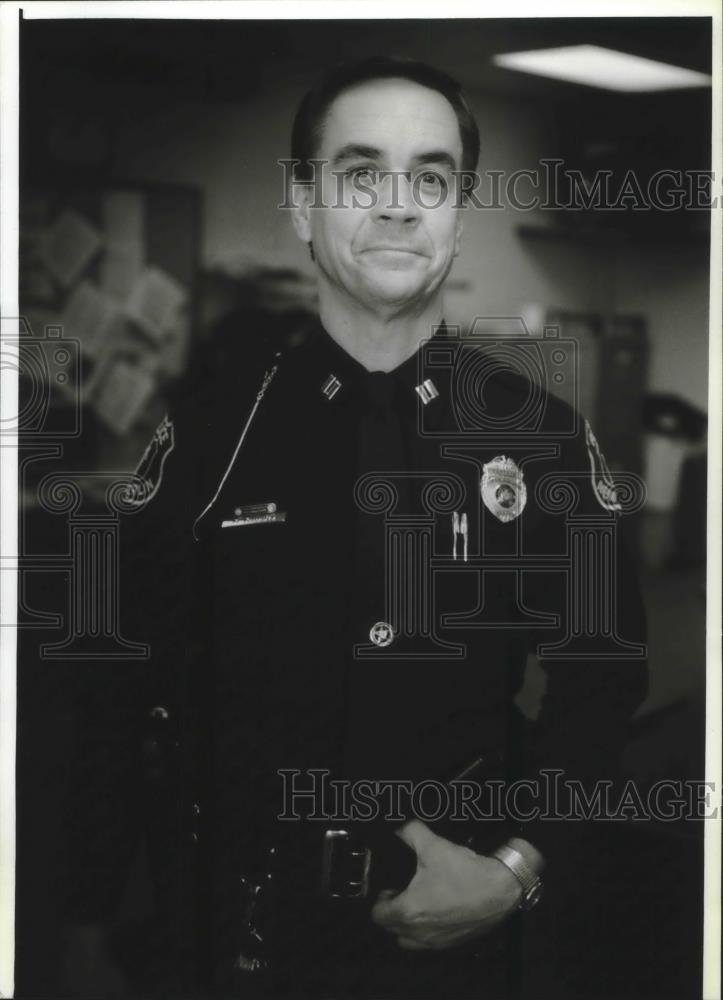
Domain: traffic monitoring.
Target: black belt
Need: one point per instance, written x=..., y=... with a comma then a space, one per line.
x=338, y=865
x=330, y=885
x=352, y=868
x=330, y=872
x=355, y=861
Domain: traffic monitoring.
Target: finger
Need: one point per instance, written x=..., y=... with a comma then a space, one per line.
x=391, y=908
x=389, y=911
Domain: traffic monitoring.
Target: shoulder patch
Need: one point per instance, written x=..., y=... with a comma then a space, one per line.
x=602, y=482
x=149, y=473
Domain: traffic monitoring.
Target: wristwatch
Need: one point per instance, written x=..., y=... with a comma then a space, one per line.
x=529, y=880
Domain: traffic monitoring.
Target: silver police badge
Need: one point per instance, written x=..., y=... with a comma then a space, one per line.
x=503, y=490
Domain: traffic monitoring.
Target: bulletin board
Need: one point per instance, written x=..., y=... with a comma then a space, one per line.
x=113, y=271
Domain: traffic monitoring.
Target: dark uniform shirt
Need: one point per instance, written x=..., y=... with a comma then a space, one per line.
x=260, y=559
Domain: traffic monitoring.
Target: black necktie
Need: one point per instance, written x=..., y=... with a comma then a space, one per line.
x=382, y=451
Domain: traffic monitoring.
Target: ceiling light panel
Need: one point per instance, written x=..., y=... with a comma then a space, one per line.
x=608, y=69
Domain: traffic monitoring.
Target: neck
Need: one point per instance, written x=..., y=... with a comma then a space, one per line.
x=380, y=340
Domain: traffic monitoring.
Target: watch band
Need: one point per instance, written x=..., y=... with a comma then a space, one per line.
x=529, y=880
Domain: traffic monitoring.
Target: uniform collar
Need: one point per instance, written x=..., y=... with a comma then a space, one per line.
x=344, y=382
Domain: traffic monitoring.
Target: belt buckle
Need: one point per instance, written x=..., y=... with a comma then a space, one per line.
x=354, y=888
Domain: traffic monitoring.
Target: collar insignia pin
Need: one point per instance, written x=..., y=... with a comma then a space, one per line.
x=427, y=391
x=503, y=490
x=331, y=386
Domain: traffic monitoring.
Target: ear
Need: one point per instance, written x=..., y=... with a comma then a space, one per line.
x=301, y=196
x=459, y=228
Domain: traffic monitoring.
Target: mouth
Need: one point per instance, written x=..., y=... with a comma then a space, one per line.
x=391, y=249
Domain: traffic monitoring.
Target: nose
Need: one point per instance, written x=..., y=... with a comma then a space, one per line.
x=395, y=199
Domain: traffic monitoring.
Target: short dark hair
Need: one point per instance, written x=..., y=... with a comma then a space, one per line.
x=309, y=120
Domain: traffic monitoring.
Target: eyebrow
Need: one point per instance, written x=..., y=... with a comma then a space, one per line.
x=356, y=151
x=436, y=156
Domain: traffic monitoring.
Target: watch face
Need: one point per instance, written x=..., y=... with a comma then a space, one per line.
x=533, y=897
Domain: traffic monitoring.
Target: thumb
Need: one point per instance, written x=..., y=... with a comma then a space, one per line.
x=418, y=836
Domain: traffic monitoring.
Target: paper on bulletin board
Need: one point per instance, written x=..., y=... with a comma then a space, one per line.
x=92, y=317
x=154, y=302
x=120, y=267
x=69, y=246
x=122, y=396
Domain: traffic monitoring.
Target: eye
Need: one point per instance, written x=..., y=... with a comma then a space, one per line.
x=431, y=180
x=365, y=174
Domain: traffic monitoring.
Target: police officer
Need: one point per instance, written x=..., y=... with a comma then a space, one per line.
x=340, y=555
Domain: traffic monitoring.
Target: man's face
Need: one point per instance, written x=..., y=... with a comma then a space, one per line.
x=387, y=229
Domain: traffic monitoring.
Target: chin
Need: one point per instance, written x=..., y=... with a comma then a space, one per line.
x=388, y=291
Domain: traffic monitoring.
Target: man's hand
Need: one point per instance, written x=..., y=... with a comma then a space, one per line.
x=455, y=895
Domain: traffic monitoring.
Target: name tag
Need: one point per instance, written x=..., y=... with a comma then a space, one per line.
x=259, y=513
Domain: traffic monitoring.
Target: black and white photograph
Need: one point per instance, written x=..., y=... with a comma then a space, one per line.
x=361, y=501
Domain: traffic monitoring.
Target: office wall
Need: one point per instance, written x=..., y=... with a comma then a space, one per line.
x=669, y=285
x=231, y=150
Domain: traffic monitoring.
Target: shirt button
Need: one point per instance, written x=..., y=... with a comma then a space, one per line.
x=381, y=634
